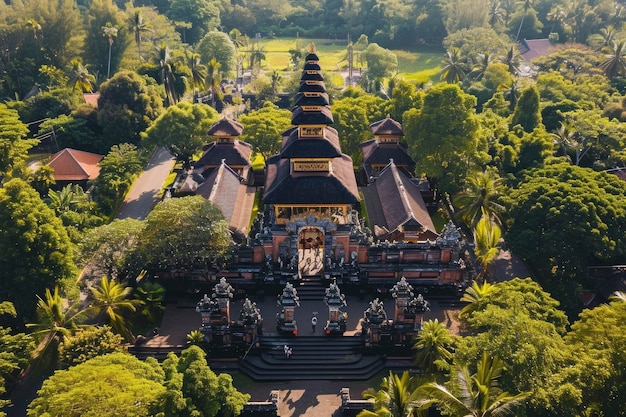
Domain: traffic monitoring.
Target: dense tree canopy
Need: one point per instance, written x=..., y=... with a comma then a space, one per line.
x=184, y=231
x=117, y=384
x=563, y=217
x=35, y=251
x=263, y=128
x=182, y=129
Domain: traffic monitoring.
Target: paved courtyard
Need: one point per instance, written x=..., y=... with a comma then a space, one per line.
x=297, y=398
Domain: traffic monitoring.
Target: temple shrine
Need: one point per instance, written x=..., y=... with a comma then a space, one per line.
x=311, y=224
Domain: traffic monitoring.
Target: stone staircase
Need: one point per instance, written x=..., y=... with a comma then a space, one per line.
x=313, y=358
x=311, y=289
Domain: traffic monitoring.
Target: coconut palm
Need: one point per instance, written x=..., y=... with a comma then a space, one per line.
x=55, y=323
x=275, y=79
x=615, y=64
x=473, y=296
x=512, y=60
x=110, y=302
x=213, y=79
x=526, y=4
x=81, y=79
x=497, y=15
x=109, y=31
x=486, y=242
x=396, y=397
x=137, y=27
x=454, y=68
x=480, y=67
x=198, y=73
x=604, y=39
x=478, y=394
x=433, y=347
x=479, y=194
x=166, y=73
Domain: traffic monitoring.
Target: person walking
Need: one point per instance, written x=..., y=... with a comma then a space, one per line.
x=313, y=323
x=289, y=352
x=286, y=350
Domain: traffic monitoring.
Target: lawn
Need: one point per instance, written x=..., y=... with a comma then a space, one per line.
x=419, y=65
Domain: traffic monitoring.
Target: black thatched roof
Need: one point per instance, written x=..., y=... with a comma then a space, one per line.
x=313, y=87
x=393, y=201
x=335, y=187
x=327, y=146
x=375, y=153
x=387, y=126
x=321, y=117
x=226, y=127
x=318, y=100
x=236, y=153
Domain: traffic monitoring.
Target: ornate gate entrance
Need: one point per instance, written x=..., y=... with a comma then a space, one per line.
x=310, y=252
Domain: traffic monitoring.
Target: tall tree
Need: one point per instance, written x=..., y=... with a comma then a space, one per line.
x=203, y=16
x=615, y=63
x=396, y=397
x=109, y=32
x=15, y=351
x=486, y=242
x=126, y=107
x=194, y=389
x=172, y=233
x=167, y=75
x=453, y=69
x=55, y=323
x=527, y=113
x=218, y=45
x=80, y=79
x=479, y=194
x=263, y=128
x=478, y=394
x=137, y=26
x=445, y=149
x=14, y=145
x=132, y=388
x=111, y=301
x=35, y=251
x=433, y=348
x=182, y=129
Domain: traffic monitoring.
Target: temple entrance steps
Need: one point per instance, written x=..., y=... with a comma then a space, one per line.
x=311, y=288
x=312, y=358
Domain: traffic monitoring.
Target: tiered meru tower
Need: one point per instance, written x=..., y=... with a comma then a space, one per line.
x=310, y=186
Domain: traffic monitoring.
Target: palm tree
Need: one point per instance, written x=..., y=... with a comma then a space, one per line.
x=556, y=15
x=213, y=79
x=55, y=323
x=109, y=31
x=479, y=394
x=166, y=72
x=454, y=69
x=478, y=195
x=110, y=302
x=478, y=70
x=512, y=60
x=511, y=93
x=81, y=79
x=137, y=27
x=473, y=296
x=496, y=14
x=198, y=73
x=604, y=39
x=432, y=347
x=486, y=238
x=569, y=139
x=396, y=397
x=527, y=4
x=275, y=79
x=615, y=64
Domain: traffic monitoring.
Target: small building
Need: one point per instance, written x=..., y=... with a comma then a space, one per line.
x=396, y=209
x=74, y=166
x=385, y=146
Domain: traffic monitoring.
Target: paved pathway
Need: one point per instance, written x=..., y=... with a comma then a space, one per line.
x=144, y=193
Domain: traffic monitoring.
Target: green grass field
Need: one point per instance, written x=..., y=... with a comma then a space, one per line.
x=418, y=66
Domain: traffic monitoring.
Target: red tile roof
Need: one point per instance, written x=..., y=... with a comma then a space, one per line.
x=73, y=165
